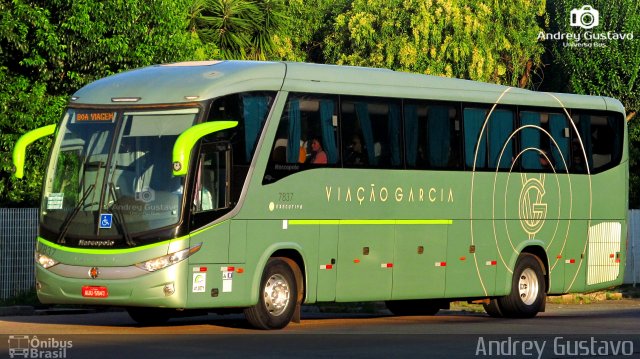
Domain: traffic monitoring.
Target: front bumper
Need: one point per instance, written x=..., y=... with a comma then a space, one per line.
x=147, y=289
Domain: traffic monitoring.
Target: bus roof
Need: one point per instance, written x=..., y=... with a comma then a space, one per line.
x=196, y=81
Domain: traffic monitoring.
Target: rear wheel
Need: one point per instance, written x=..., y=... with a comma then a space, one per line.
x=528, y=290
x=414, y=307
x=493, y=309
x=278, y=296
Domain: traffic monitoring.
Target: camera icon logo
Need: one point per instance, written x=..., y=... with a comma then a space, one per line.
x=146, y=195
x=586, y=17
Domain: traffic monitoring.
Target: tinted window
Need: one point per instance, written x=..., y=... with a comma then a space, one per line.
x=544, y=141
x=601, y=136
x=250, y=110
x=371, y=133
x=432, y=135
x=493, y=142
x=307, y=136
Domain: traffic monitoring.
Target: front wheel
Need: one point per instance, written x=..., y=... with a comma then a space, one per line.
x=528, y=289
x=278, y=296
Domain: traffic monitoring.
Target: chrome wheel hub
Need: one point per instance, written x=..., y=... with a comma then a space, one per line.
x=528, y=286
x=277, y=294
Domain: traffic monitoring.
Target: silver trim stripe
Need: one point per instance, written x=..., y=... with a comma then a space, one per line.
x=82, y=272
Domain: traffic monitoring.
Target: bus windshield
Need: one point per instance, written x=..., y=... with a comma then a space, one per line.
x=126, y=176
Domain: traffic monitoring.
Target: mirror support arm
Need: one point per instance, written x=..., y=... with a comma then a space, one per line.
x=186, y=141
x=20, y=149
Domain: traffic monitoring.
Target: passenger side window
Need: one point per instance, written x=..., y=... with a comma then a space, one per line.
x=250, y=109
x=544, y=141
x=601, y=137
x=307, y=132
x=371, y=133
x=432, y=136
x=493, y=141
x=306, y=136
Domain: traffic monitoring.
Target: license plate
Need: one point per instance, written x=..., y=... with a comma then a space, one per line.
x=95, y=292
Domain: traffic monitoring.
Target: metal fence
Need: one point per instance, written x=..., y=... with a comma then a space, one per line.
x=632, y=270
x=18, y=230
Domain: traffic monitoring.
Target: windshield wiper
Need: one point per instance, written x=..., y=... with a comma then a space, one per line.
x=67, y=221
x=117, y=214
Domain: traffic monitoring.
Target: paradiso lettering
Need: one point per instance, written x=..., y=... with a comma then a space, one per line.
x=372, y=193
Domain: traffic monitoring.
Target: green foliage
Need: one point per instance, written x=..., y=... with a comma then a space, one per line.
x=67, y=44
x=51, y=48
x=24, y=105
x=466, y=39
x=311, y=24
x=241, y=29
x=608, y=71
x=611, y=70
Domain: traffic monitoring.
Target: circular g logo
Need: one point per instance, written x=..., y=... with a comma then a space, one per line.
x=532, y=211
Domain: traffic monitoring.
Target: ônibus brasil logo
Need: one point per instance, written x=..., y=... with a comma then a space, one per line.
x=25, y=346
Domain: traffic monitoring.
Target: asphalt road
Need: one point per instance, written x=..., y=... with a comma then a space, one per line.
x=564, y=331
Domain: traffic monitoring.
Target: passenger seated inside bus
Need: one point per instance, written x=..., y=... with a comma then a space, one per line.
x=318, y=156
x=354, y=155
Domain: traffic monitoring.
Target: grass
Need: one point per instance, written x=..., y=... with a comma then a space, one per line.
x=467, y=307
x=626, y=291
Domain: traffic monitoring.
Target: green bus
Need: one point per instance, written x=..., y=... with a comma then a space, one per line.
x=259, y=186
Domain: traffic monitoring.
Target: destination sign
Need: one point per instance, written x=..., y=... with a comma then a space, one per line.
x=95, y=116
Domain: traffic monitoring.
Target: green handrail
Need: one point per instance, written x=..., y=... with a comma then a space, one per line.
x=185, y=142
x=19, y=151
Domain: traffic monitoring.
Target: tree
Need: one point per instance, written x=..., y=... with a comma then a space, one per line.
x=601, y=67
x=311, y=22
x=466, y=39
x=51, y=48
x=241, y=29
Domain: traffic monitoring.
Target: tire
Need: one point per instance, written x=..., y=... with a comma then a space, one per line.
x=414, y=307
x=493, y=309
x=149, y=316
x=528, y=289
x=278, y=296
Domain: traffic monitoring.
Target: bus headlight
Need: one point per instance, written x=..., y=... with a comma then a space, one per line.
x=170, y=259
x=45, y=261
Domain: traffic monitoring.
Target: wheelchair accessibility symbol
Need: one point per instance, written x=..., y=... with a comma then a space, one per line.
x=105, y=220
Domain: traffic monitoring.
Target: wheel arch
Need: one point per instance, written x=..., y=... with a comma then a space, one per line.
x=533, y=247
x=541, y=255
x=296, y=257
x=291, y=251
